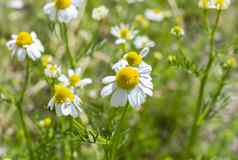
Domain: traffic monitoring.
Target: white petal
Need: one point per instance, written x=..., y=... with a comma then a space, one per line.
x=144, y=52
x=108, y=89
x=78, y=71
x=147, y=91
x=33, y=52
x=51, y=104
x=21, y=54
x=119, y=98
x=71, y=72
x=64, y=79
x=66, y=109
x=146, y=82
x=120, y=64
x=136, y=97
x=145, y=68
x=120, y=41
x=77, y=2
x=67, y=14
x=108, y=79
x=50, y=10
x=58, y=110
x=85, y=82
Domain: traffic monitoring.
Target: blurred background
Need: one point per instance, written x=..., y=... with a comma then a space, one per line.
x=159, y=130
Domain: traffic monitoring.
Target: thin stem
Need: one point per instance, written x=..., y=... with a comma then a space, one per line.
x=64, y=34
x=19, y=105
x=195, y=127
x=116, y=137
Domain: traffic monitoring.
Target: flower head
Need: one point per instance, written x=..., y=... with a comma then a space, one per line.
x=131, y=58
x=143, y=42
x=52, y=71
x=123, y=33
x=25, y=44
x=129, y=84
x=214, y=4
x=46, y=59
x=73, y=79
x=65, y=102
x=100, y=13
x=154, y=14
x=62, y=10
x=177, y=31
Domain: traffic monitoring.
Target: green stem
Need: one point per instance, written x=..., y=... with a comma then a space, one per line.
x=116, y=137
x=195, y=127
x=64, y=34
x=19, y=105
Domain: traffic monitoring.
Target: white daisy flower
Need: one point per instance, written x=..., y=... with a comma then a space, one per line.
x=222, y=4
x=52, y=71
x=73, y=79
x=100, y=13
x=65, y=102
x=62, y=10
x=143, y=42
x=154, y=14
x=214, y=4
x=25, y=44
x=129, y=84
x=124, y=33
x=132, y=58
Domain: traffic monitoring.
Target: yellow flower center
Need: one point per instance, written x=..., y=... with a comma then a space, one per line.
x=53, y=68
x=62, y=4
x=23, y=38
x=157, y=11
x=74, y=80
x=177, y=30
x=125, y=33
x=127, y=78
x=220, y=2
x=62, y=94
x=204, y=3
x=133, y=58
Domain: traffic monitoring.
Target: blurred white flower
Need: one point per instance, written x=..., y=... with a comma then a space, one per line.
x=52, y=70
x=124, y=33
x=129, y=84
x=25, y=44
x=143, y=42
x=154, y=14
x=65, y=102
x=214, y=4
x=62, y=10
x=73, y=79
x=15, y=4
x=100, y=13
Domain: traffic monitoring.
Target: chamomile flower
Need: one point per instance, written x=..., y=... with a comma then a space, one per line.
x=52, y=71
x=123, y=33
x=100, y=13
x=177, y=31
x=132, y=58
x=222, y=4
x=154, y=14
x=62, y=10
x=129, y=84
x=73, y=79
x=25, y=44
x=65, y=102
x=143, y=42
x=214, y=4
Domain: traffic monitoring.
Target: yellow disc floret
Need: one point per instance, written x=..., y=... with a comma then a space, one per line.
x=125, y=33
x=63, y=4
x=133, y=58
x=23, y=38
x=157, y=10
x=62, y=94
x=74, y=80
x=127, y=78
